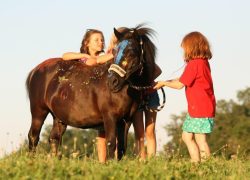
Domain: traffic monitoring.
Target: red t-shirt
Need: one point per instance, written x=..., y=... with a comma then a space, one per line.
x=199, y=88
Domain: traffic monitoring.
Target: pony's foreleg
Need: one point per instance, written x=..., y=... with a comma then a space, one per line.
x=110, y=131
x=122, y=137
x=38, y=118
x=56, y=134
x=121, y=147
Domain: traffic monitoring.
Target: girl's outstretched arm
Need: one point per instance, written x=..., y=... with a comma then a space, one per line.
x=99, y=59
x=104, y=58
x=174, y=83
x=88, y=60
x=72, y=56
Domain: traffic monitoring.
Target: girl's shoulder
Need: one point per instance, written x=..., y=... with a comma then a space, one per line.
x=198, y=64
x=198, y=61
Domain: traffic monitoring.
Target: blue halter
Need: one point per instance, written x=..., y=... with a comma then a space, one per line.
x=121, y=47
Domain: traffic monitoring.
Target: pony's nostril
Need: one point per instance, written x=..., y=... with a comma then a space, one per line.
x=115, y=82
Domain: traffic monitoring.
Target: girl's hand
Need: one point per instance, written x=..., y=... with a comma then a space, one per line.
x=159, y=84
x=112, y=43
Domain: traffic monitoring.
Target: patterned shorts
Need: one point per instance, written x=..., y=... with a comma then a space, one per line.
x=198, y=125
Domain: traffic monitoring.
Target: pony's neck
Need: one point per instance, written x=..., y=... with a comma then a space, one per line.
x=141, y=80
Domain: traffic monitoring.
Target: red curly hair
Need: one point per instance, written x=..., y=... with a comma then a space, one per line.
x=196, y=45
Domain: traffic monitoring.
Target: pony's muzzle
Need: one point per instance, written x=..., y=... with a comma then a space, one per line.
x=115, y=82
x=116, y=68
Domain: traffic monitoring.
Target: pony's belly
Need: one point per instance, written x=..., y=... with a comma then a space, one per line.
x=84, y=123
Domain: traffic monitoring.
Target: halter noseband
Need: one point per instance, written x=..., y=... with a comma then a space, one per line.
x=120, y=71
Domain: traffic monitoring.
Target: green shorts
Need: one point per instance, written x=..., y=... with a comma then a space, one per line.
x=198, y=125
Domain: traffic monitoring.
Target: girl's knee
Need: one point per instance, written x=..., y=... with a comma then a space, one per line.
x=184, y=139
x=150, y=131
x=200, y=138
x=150, y=135
x=187, y=137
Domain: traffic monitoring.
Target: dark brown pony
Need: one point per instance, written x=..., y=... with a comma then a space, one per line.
x=89, y=97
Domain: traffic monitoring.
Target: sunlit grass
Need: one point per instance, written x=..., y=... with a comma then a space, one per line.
x=23, y=165
x=78, y=164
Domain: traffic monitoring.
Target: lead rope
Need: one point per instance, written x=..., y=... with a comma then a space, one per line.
x=157, y=109
x=164, y=96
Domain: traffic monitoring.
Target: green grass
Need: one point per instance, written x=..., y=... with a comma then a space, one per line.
x=22, y=165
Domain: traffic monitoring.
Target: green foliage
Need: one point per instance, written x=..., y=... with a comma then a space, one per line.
x=75, y=142
x=131, y=145
x=78, y=142
x=174, y=131
x=233, y=125
x=230, y=136
x=244, y=97
x=41, y=166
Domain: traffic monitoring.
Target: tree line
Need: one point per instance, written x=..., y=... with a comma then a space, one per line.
x=230, y=135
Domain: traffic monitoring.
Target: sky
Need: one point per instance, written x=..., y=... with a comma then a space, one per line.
x=33, y=31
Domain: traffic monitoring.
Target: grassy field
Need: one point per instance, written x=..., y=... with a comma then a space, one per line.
x=22, y=165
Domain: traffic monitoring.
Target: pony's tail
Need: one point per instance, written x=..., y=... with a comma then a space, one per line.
x=27, y=83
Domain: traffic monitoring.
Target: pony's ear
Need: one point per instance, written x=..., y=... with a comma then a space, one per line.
x=118, y=35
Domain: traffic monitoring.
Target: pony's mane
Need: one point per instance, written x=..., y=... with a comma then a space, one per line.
x=148, y=46
x=145, y=34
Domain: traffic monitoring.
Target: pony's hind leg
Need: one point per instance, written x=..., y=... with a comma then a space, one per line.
x=56, y=134
x=38, y=118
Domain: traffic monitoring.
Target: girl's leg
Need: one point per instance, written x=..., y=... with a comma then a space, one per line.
x=139, y=134
x=203, y=145
x=193, y=148
x=150, y=120
x=101, y=146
